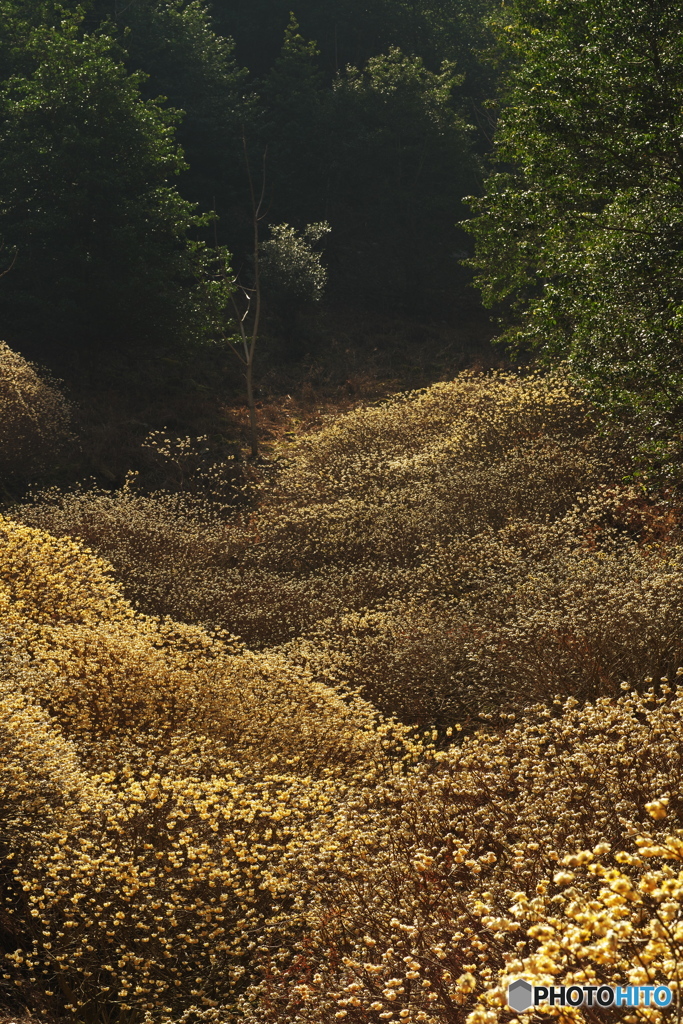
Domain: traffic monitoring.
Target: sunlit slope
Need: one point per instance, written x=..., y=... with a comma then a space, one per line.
x=353, y=510
x=197, y=826
x=114, y=679
x=551, y=852
x=452, y=552
x=152, y=777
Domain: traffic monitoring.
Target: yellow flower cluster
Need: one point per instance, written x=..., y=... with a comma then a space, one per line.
x=153, y=776
x=34, y=417
x=211, y=813
x=535, y=853
x=616, y=919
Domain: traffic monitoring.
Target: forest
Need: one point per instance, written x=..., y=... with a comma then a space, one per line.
x=341, y=510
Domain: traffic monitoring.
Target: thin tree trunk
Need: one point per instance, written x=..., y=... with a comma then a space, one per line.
x=253, y=435
x=257, y=216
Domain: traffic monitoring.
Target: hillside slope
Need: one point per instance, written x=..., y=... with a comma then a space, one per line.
x=433, y=760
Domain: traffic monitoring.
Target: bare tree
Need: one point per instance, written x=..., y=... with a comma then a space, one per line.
x=293, y=274
x=247, y=301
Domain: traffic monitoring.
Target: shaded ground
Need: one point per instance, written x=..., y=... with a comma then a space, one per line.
x=349, y=358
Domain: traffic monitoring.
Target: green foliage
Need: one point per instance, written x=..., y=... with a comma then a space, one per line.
x=100, y=234
x=185, y=60
x=384, y=156
x=379, y=148
x=122, y=126
x=581, y=228
x=292, y=74
x=401, y=161
x=353, y=31
x=294, y=128
x=291, y=267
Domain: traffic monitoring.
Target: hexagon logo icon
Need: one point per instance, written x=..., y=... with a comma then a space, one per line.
x=520, y=995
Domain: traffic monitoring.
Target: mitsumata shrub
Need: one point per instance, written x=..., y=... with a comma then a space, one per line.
x=450, y=552
x=397, y=729
x=538, y=853
x=153, y=775
x=34, y=417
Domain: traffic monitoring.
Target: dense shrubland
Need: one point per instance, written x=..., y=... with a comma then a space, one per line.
x=486, y=512
x=152, y=770
x=361, y=745
x=34, y=417
x=364, y=732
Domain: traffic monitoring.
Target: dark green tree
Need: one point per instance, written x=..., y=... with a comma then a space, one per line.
x=401, y=160
x=353, y=31
x=88, y=206
x=294, y=128
x=581, y=228
x=183, y=58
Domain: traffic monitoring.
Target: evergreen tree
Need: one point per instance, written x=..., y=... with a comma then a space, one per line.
x=402, y=160
x=581, y=229
x=294, y=129
x=173, y=42
x=350, y=32
x=97, y=231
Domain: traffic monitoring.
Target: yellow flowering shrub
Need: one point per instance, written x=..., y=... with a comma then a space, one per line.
x=436, y=888
x=110, y=676
x=616, y=919
x=34, y=417
x=42, y=780
x=354, y=510
x=493, y=622
x=153, y=775
x=474, y=418
x=211, y=812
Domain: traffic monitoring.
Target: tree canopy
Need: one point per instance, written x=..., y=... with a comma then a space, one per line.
x=95, y=228
x=581, y=227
